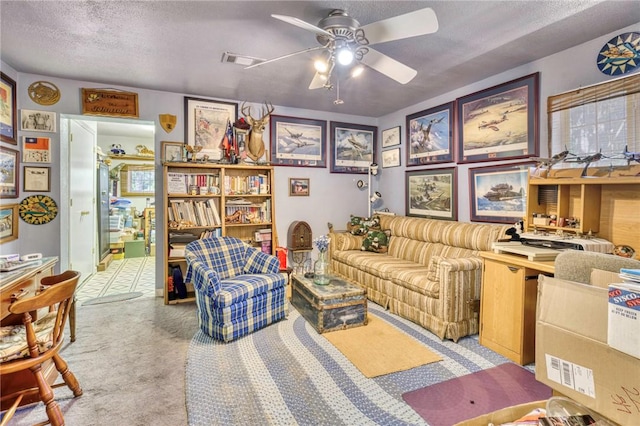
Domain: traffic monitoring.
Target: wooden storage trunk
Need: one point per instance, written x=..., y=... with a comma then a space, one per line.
x=336, y=306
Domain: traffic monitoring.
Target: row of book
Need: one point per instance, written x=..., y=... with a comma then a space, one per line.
x=179, y=183
x=244, y=185
x=177, y=244
x=194, y=213
x=248, y=213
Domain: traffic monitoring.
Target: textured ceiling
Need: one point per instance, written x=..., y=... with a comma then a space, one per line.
x=177, y=46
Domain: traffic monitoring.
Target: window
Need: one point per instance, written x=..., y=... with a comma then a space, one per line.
x=601, y=118
x=137, y=180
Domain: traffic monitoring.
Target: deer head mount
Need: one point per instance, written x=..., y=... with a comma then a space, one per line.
x=255, y=147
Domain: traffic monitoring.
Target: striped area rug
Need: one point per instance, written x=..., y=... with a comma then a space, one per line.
x=287, y=374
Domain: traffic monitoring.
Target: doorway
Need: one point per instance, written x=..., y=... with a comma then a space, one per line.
x=86, y=142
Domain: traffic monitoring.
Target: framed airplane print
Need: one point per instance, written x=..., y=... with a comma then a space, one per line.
x=499, y=123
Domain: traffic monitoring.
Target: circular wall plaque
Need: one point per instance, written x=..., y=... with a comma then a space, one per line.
x=620, y=55
x=44, y=93
x=38, y=209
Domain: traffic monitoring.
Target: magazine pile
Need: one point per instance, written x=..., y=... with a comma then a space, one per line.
x=624, y=313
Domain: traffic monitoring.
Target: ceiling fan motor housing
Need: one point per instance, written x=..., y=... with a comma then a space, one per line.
x=341, y=25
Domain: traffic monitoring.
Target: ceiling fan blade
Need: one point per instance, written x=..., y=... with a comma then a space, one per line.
x=412, y=24
x=317, y=82
x=310, y=49
x=388, y=66
x=304, y=25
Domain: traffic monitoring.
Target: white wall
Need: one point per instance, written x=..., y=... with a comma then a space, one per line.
x=564, y=71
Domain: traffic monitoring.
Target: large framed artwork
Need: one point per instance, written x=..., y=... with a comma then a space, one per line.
x=8, y=223
x=499, y=123
x=432, y=193
x=9, y=172
x=498, y=193
x=206, y=123
x=430, y=136
x=300, y=142
x=353, y=147
x=8, y=111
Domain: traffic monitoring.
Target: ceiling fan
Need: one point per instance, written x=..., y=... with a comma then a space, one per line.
x=347, y=44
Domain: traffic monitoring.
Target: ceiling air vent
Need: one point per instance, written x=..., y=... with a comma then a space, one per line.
x=243, y=60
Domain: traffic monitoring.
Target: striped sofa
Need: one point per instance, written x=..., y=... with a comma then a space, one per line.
x=239, y=289
x=430, y=274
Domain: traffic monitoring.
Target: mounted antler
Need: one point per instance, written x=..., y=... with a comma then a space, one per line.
x=255, y=147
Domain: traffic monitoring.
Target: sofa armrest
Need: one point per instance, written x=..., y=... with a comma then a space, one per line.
x=257, y=262
x=460, y=280
x=204, y=279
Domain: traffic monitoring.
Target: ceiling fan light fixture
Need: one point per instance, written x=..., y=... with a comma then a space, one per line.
x=344, y=56
x=357, y=71
x=321, y=66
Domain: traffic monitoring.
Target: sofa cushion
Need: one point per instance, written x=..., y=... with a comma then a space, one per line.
x=378, y=264
x=346, y=241
x=361, y=225
x=376, y=241
x=416, y=278
x=243, y=287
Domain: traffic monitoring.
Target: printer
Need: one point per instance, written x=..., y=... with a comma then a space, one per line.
x=557, y=242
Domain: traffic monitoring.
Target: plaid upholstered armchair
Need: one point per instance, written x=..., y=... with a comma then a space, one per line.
x=238, y=288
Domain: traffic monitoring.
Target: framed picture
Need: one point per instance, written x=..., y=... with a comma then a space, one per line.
x=391, y=137
x=36, y=179
x=300, y=142
x=430, y=136
x=498, y=193
x=36, y=150
x=206, y=124
x=9, y=172
x=432, y=193
x=37, y=121
x=8, y=111
x=8, y=223
x=500, y=123
x=172, y=151
x=390, y=158
x=298, y=187
x=353, y=147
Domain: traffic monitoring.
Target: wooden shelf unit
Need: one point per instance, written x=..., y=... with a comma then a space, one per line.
x=228, y=179
x=607, y=205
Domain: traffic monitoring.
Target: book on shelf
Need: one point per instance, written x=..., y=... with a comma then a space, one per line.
x=246, y=185
x=179, y=183
x=194, y=212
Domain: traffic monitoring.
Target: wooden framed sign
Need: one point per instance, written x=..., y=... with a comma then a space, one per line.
x=109, y=103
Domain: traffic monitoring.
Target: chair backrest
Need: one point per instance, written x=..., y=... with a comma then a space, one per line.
x=57, y=295
x=225, y=255
x=576, y=265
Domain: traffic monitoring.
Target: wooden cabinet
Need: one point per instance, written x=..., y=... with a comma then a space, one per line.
x=202, y=199
x=605, y=203
x=508, y=305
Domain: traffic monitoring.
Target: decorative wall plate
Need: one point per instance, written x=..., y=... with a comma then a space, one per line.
x=620, y=55
x=38, y=209
x=44, y=93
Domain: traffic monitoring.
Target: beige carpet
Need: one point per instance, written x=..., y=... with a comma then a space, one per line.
x=379, y=348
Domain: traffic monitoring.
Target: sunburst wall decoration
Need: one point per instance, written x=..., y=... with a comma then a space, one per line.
x=38, y=209
x=620, y=55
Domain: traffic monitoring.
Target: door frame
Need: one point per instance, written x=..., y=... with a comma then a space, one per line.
x=65, y=186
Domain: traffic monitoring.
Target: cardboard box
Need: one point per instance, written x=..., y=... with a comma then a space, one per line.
x=623, y=332
x=601, y=278
x=505, y=415
x=572, y=354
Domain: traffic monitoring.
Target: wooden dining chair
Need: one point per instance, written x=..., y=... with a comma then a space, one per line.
x=30, y=347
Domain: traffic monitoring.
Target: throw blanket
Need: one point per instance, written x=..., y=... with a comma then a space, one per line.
x=287, y=374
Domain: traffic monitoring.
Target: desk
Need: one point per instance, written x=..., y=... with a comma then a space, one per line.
x=508, y=304
x=22, y=282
